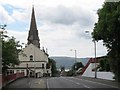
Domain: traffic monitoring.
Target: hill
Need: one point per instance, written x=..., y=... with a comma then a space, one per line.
x=67, y=62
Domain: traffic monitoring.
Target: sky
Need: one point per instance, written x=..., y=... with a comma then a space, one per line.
x=61, y=24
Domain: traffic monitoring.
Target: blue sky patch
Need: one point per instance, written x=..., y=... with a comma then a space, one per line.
x=18, y=26
x=8, y=8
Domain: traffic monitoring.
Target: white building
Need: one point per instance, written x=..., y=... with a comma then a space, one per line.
x=33, y=60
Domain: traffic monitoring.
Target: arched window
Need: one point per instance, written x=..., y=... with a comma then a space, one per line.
x=31, y=57
x=42, y=66
x=47, y=65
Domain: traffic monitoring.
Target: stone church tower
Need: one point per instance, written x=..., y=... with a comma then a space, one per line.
x=33, y=32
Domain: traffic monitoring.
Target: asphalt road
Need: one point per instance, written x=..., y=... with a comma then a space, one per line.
x=75, y=83
x=58, y=83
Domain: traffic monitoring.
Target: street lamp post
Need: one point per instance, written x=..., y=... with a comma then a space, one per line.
x=75, y=59
x=75, y=51
x=95, y=55
x=95, y=59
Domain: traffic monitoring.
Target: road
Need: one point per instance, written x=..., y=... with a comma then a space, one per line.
x=27, y=83
x=59, y=83
x=75, y=83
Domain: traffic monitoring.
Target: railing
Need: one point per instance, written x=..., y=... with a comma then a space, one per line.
x=90, y=61
x=9, y=78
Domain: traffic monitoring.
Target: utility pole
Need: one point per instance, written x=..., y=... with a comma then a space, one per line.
x=95, y=59
x=75, y=52
x=75, y=58
x=94, y=55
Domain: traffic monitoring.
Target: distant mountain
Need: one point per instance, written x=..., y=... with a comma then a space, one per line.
x=67, y=62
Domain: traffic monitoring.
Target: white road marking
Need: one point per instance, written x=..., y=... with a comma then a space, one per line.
x=85, y=86
x=29, y=83
x=47, y=85
x=95, y=82
x=39, y=81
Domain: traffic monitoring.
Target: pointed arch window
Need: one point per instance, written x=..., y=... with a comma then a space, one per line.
x=31, y=57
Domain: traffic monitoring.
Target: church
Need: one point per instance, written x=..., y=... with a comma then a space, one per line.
x=33, y=60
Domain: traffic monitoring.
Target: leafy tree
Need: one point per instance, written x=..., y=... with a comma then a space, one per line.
x=104, y=64
x=9, y=52
x=2, y=28
x=77, y=65
x=53, y=67
x=62, y=68
x=70, y=73
x=108, y=29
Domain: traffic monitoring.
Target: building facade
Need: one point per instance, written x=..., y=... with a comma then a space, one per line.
x=33, y=60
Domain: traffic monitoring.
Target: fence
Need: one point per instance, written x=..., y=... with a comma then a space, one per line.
x=9, y=78
x=0, y=81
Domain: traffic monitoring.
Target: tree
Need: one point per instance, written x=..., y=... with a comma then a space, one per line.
x=70, y=73
x=53, y=66
x=2, y=28
x=9, y=53
x=108, y=29
x=104, y=64
x=77, y=65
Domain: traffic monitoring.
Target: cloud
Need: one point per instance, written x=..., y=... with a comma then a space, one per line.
x=20, y=36
x=67, y=16
x=92, y=4
x=59, y=43
x=61, y=24
x=19, y=15
x=4, y=16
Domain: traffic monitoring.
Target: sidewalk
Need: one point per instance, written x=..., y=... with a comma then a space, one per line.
x=108, y=82
x=27, y=83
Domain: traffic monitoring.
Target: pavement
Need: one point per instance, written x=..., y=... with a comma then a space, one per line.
x=27, y=83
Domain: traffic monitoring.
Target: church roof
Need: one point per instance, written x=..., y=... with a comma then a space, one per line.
x=33, y=32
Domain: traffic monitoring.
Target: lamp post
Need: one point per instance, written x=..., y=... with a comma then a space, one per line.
x=95, y=59
x=75, y=56
x=94, y=55
x=75, y=51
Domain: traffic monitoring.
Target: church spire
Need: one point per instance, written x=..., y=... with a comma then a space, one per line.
x=33, y=32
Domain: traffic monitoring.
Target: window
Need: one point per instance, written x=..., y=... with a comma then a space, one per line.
x=7, y=72
x=42, y=66
x=11, y=71
x=31, y=57
x=18, y=71
x=22, y=70
x=47, y=65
